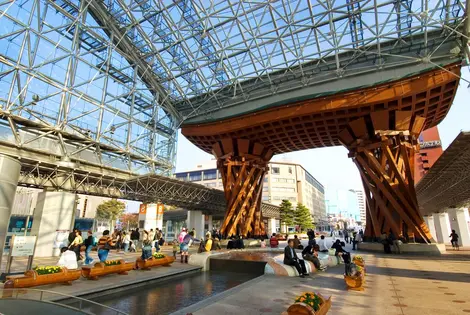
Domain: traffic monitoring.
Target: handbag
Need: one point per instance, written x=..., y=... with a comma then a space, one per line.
x=331, y=252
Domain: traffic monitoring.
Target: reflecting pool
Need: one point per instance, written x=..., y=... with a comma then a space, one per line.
x=167, y=296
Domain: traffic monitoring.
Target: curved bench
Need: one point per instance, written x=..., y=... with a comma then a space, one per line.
x=276, y=265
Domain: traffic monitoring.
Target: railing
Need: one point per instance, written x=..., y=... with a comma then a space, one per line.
x=74, y=302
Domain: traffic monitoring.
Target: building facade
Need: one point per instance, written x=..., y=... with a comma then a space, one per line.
x=430, y=150
x=361, y=203
x=343, y=209
x=284, y=181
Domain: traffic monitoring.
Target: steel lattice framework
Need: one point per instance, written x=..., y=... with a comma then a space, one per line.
x=109, y=82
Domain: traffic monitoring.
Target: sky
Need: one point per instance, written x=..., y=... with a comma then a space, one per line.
x=331, y=166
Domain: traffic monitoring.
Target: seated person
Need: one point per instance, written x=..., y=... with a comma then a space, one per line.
x=216, y=244
x=231, y=243
x=262, y=243
x=340, y=252
x=322, y=245
x=239, y=242
x=291, y=259
x=297, y=243
x=310, y=253
x=68, y=259
x=273, y=242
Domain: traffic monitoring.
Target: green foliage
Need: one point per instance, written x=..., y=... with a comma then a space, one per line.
x=302, y=217
x=110, y=210
x=310, y=298
x=112, y=262
x=47, y=270
x=287, y=213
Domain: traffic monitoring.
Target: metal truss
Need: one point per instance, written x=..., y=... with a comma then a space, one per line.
x=446, y=185
x=111, y=81
x=73, y=85
x=153, y=188
x=39, y=170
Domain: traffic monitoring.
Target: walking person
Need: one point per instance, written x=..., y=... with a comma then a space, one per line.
x=454, y=239
x=176, y=246
x=88, y=247
x=184, y=246
x=76, y=244
x=135, y=236
x=118, y=238
x=147, y=241
x=126, y=241
x=105, y=244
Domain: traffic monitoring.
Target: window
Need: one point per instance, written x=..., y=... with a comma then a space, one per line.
x=265, y=197
x=211, y=185
x=265, y=188
x=290, y=170
x=210, y=174
x=182, y=176
x=195, y=176
x=286, y=189
x=275, y=171
x=266, y=179
x=283, y=180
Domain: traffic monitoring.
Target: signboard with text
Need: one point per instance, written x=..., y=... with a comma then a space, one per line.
x=143, y=209
x=160, y=211
x=430, y=144
x=23, y=246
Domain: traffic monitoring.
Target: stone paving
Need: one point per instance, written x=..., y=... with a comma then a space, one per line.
x=405, y=285
x=395, y=284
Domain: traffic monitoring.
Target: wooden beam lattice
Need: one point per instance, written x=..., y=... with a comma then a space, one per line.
x=383, y=149
x=243, y=165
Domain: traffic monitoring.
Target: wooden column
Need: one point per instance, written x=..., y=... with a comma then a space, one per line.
x=382, y=145
x=243, y=165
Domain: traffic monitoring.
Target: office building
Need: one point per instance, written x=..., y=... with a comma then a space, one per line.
x=284, y=181
x=430, y=149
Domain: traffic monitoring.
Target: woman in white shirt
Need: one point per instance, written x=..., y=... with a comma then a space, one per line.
x=126, y=241
x=68, y=259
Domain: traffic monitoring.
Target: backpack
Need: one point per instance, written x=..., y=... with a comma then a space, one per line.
x=94, y=242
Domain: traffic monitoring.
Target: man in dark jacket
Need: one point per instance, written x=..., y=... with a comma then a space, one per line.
x=291, y=259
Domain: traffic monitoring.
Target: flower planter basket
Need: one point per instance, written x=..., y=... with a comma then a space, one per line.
x=359, y=263
x=304, y=309
x=100, y=269
x=31, y=278
x=355, y=283
x=153, y=262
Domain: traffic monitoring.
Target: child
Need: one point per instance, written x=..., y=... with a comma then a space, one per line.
x=176, y=247
x=263, y=243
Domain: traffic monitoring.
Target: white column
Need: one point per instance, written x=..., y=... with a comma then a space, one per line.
x=209, y=223
x=441, y=221
x=458, y=218
x=148, y=214
x=196, y=221
x=271, y=226
x=55, y=211
x=429, y=219
x=10, y=170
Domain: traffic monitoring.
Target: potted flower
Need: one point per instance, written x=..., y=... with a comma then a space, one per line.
x=309, y=303
x=118, y=266
x=359, y=260
x=157, y=259
x=42, y=275
x=355, y=281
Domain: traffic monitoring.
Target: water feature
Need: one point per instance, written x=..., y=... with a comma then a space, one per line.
x=248, y=262
x=167, y=296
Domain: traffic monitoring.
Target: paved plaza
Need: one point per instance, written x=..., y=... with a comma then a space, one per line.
x=395, y=284
x=405, y=285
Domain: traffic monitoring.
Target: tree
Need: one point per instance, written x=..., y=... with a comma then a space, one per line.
x=110, y=210
x=286, y=212
x=302, y=217
x=129, y=221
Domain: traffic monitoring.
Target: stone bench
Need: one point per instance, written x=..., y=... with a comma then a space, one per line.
x=276, y=265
